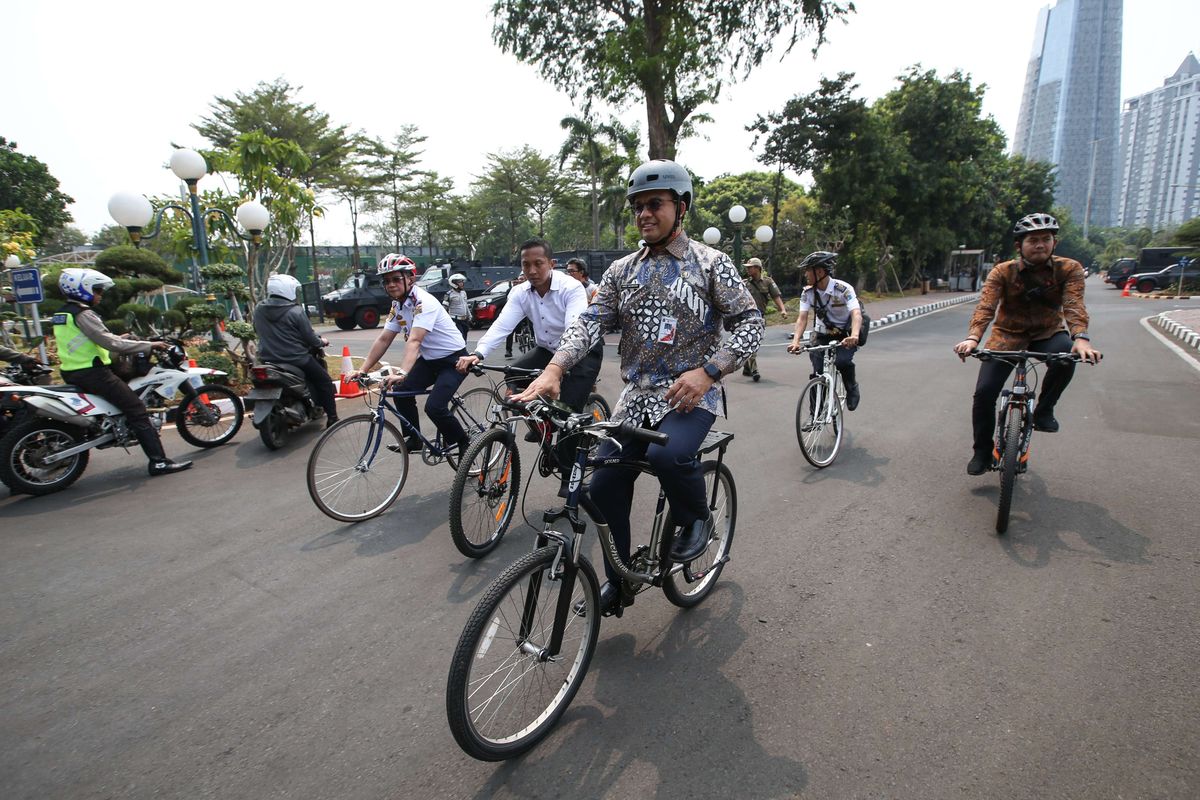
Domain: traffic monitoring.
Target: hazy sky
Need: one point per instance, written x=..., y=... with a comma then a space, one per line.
x=98, y=91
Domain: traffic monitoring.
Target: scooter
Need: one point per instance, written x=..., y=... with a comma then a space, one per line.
x=280, y=401
x=47, y=449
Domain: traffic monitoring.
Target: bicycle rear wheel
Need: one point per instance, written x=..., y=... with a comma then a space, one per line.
x=694, y=583
x=483, y=498
x=503, y=695
x=352, y=479
x=819, y=423
x=1013, y=423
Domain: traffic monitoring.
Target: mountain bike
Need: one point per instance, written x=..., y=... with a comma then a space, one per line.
x=1014, y=421
x=526, y=648
x=819, y=412
x=483, y=497
x=358, y=467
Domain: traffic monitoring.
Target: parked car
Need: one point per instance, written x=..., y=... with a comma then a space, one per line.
x=486, y=307
x=1161, y=279
x=1118, y=274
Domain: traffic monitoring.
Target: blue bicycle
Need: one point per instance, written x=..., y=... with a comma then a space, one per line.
x=358, y=467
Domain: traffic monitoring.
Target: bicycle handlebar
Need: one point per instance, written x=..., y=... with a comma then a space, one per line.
x=988, y=355
x=558, y=413
x=507, y=369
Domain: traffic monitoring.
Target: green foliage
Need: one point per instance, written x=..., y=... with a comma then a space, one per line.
x=1188, y=235
x=241, y=330
x=129, y=260
x=227, y=280
x=208, y=360
x=174, y=320
x=117, y=325
x=139, y=318
x=18, y=232
x=62, y=240
x=389, y=168
x=27, y=185
x=676, y=56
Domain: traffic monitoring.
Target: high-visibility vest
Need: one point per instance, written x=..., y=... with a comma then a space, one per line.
x=75, y=351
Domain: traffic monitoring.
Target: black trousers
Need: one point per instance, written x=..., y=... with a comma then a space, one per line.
x=104, y=382
x=992, y=376
x=317, y=376
x=445, y=380
x=843, y=361
x=577, y=384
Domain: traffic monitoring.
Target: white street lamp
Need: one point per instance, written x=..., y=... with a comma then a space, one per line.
x=254, y=217
x=764, y=233
x=712, y=236
x=132, y=211
x=737, y=215
x=12, y=262
x=188, y=165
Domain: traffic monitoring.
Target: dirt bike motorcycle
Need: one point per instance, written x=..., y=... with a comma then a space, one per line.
x=281, y=401
x=23, y=374
x=47, y=448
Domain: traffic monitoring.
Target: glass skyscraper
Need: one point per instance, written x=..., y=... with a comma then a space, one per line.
x=1070, y=111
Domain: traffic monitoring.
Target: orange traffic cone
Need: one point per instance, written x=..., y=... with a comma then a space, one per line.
x=203, y=395
x=348, y=388
x=1125, y=291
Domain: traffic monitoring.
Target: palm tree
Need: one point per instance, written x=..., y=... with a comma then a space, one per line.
x=586, y=144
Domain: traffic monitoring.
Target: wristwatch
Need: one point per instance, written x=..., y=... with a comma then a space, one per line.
x=712, y=371
x=1081, y=335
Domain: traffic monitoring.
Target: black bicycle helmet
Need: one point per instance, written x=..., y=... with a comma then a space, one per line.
x=822, y=258
x=1037, y=221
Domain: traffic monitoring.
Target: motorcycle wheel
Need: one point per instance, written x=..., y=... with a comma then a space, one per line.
x=24, y=448
x=202, y=423
x=273, y=431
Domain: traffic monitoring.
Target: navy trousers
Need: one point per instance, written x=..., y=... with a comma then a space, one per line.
x=445, y=380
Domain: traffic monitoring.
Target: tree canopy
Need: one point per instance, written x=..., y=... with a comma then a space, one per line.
x=676, y=55
x=27, y=185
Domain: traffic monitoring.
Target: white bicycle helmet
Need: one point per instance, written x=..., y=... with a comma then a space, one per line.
x=661, y=174
x=285, y=286
x=396, y=262
x=1035, y=222
x=458, y=277
x=81, y=284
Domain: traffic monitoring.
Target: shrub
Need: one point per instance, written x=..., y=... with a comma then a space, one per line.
x=215, y=361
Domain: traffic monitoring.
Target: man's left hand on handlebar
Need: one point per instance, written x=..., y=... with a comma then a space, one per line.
x=849, y=341
x=465, y=363
x=547, y=385
x=1083, y=348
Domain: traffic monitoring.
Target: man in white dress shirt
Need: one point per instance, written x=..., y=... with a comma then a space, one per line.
x=433, y=346
x=551, y=301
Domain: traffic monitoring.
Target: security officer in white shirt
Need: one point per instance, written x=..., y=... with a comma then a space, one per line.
x=839, y=316
x=433, y=347
x=551, y=301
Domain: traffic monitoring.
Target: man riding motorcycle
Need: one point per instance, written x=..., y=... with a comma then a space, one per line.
x=84, y=344
x=285, y=336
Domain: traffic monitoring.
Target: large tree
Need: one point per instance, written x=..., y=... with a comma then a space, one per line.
x=674, y=54
x=26, y=184
x=391, y=167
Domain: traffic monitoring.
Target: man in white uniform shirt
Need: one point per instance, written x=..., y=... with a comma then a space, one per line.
x=551, y=301
x=433, y=347
x=839, y=317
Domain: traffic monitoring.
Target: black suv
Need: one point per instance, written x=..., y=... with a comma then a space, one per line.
x=1118, y=274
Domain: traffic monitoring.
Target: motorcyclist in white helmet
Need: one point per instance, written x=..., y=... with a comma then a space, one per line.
x=285, y=336
x=84, y=344
x=456, y=303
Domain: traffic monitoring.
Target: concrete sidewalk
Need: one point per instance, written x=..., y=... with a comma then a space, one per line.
x=894, y=309
x=1183, y=324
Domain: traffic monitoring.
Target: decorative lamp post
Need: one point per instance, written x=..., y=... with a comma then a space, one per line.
x=737, y=215
x=12, y=262
x=134, y=212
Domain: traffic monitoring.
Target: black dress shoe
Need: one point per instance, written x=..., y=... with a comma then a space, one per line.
x=330, y=422
x=852, y=397
x=166, y=466
x=1045, y=421
x=610, y=601
x=690, y=542
x=756, y=377
x=412, y=444
x=979, y=463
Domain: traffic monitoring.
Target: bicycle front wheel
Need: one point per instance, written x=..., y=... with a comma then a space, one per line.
x=1013, y=423
x=351, y=477
x=477, y=405
x=483, y=498
x=694, y=583
x=819, y=423
x=504, y=692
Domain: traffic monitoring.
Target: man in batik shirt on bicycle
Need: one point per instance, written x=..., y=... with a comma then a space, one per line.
x=838, y=316
x=670, y=301
x=433, y=345
x=1030, y=299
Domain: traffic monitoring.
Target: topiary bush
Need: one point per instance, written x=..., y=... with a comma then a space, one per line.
x=210, y=360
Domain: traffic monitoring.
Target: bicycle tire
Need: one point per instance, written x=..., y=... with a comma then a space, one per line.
x=1013, y=423
x=677, y=587
x=347, y=482
x=202, y=423
x=490, y=689
x=483, y=497
x=478, y=402
x=819, y=439
x=523, y=336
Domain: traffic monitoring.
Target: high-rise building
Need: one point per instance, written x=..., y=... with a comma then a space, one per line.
x=1071, y=107
x=1160, y=160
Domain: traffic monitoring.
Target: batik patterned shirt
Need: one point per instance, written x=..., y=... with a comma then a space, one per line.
x=671, y=309
x=1030, y=303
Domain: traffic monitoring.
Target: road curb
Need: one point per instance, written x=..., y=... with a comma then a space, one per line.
x=917, y=311
x=1164, y=297
x=1181, y=332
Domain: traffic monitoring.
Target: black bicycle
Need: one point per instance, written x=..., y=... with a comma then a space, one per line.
x=526, y=648
x=487, y=484
x=358, y=467
x=1014, y=421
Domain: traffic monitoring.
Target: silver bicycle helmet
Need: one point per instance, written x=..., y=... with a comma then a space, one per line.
x=1037, y=221
x=661, y=174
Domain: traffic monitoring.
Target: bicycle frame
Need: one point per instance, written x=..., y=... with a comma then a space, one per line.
x=1016, y=395
x=566, y=562
x=435, y=447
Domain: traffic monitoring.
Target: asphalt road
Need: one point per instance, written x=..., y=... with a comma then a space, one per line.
x=213, y=635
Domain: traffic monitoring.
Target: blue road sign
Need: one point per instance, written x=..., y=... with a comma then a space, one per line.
x=27, y=285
